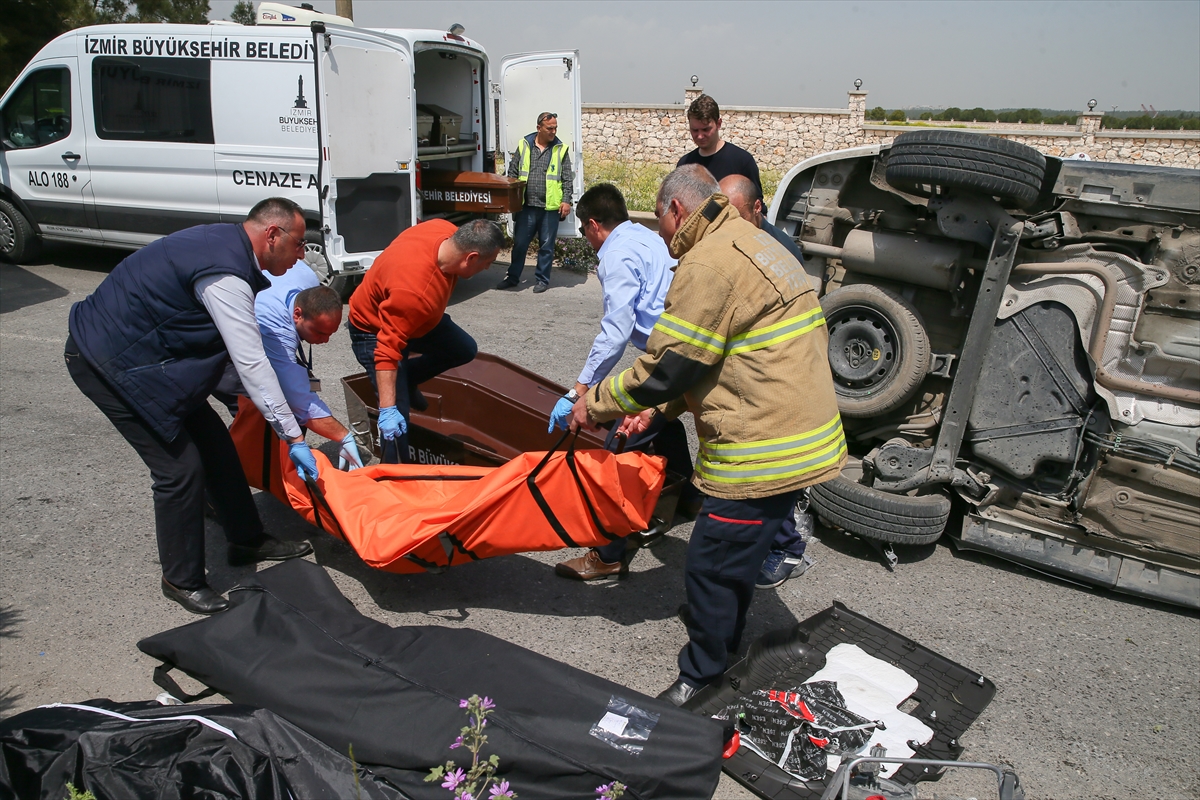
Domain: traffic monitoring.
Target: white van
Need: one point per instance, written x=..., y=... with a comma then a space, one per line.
x=116, y=135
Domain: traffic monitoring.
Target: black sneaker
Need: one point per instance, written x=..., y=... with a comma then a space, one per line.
x=780, y=566
x=541, y=287
x=507, y=283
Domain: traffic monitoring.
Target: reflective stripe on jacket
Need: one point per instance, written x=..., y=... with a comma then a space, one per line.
x=743, y=337
x=554, y=190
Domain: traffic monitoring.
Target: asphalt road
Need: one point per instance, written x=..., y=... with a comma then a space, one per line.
x=1098, y=693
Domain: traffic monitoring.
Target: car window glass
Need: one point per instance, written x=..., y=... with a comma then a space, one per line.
x=39, y=111
x=153, y=99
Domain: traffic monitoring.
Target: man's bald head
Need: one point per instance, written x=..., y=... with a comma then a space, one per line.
x=743, y=195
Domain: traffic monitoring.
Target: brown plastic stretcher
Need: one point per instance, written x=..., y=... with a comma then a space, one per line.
x=483, y=414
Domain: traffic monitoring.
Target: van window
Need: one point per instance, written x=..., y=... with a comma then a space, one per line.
x=153, y=99
x=39, y=111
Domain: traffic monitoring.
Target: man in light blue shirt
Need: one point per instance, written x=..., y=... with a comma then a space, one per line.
x=635, y=272
x=294, y=310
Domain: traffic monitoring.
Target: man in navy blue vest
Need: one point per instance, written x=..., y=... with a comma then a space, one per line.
x=149, y=346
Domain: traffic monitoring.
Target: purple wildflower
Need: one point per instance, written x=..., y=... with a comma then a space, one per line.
x=457, y=743
x=487, y=704
x=500, y=790
x=463, y=703
x=453, y=779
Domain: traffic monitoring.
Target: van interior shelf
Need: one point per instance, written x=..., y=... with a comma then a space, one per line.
x=437, y=151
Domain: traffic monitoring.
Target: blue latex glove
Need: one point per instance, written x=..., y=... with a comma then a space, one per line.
x=348, y=457
x=302, y=457
x=391, y=423
x=561, y=415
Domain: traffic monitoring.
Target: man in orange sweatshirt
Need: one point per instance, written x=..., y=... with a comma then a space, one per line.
x=399, y=329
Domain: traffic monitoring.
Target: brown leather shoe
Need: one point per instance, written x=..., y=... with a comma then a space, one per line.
x=590, y=567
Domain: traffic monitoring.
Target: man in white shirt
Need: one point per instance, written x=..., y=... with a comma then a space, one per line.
x=635, y=273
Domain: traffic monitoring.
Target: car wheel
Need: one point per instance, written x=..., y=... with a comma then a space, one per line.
x=873, y=514
x=988, y=165
x=18, y=240
x=878, y=349
x=314, y=256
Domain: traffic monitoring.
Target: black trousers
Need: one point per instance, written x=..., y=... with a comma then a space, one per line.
x=202, y=456
x=729, y=542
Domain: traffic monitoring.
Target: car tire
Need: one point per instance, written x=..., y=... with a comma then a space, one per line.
x=314, y=256
x=878, y=349
x=971, y=162
x=19, y=241
x=874, y=514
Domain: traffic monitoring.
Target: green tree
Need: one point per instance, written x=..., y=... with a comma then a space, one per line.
x=926, y=115
x=28, y=25
x=951, y=114
x=876, y=113
x=243, y=12
x=980, y=115
x=898, y=116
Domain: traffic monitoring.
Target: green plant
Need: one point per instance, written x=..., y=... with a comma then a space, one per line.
x=638, y=181
x=75, y=794
x=471, y=783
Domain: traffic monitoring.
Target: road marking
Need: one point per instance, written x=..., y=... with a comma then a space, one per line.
x=29, y=338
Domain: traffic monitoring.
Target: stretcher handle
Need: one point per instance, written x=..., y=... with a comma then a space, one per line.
x=315, y=495
x=544, y=505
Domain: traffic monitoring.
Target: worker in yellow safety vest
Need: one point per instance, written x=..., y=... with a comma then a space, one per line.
x=543, y=161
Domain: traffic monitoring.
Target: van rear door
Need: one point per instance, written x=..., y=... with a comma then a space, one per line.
x=365, y=124
x=531, y=83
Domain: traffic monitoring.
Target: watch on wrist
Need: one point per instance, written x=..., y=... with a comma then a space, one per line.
x=573, y=395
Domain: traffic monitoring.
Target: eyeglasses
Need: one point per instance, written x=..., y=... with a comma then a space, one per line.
x=583, y=229
x=293, y=238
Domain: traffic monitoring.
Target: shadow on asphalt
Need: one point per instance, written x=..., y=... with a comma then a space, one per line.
x=20, y=288
x=515, y=584
x=80, y=256
x=10, y=623
x=850, y=545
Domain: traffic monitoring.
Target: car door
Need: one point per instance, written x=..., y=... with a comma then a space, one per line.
x=44, y=158
x=365, y=110
x=531, y=83
x=150, y=138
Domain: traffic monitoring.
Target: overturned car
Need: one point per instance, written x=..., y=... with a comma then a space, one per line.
x=1017, y=336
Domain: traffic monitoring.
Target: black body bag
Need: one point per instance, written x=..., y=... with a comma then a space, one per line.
x=293, y=644
x=118, y=751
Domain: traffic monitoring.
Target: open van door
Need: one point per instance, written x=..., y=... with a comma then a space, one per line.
x=364, y=124
x=531, y=83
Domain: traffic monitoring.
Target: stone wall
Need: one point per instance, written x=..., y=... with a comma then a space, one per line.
x=779, y=138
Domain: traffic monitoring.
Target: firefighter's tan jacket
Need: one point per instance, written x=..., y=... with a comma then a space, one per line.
x=743, y=336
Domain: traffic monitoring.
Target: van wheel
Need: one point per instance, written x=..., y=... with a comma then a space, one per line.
x=318, y=262
x=878, y=349
x=972, y=162
x=18, y=240
x=874, y=514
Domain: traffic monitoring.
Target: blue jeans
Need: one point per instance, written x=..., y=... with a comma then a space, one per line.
x=526, y=223
x=445, y=347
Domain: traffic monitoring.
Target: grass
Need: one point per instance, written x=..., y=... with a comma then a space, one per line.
x=639, y=181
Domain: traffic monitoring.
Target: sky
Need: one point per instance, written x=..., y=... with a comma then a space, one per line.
x=804, y=53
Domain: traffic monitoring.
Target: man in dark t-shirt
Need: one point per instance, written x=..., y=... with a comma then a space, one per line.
x=718, y=156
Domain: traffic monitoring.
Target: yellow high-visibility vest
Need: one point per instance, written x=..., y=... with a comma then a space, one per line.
x=554, y=191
